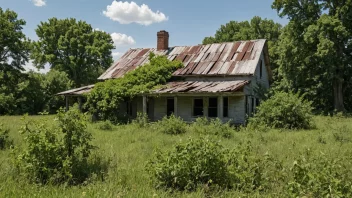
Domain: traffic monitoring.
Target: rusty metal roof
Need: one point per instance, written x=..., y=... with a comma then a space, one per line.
x=77, y=91
x=236, y=58
x=202, y=86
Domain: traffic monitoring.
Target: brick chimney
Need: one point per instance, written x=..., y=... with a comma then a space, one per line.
x=163, y=40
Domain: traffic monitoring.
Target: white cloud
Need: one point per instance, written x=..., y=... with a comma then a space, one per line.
x=29, y=66
x=122, y=39
x=39, y=3
x=126, y=13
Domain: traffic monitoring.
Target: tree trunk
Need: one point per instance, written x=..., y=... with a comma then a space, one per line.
x=338, y=95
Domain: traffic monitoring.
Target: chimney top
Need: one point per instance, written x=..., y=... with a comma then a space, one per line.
x=163, y=40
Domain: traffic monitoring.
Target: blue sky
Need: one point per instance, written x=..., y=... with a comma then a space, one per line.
x=135, y=26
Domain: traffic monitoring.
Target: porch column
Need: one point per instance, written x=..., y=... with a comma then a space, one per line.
x=79, y=103
x=175, y=106
x=144, y=104
x=66, y=98
x=220, y=107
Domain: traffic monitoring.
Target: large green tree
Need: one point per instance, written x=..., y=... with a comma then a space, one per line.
x=73, y=47
x=315, y=51
x=14, y=52
x=257, y=28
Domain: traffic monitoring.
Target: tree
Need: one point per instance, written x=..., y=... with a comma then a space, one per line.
x=73, y=47
x=14, y=51
x=315, y=51
x=257, y=28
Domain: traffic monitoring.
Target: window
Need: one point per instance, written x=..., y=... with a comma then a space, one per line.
x=198, y=107
x=129, y=108
x=213, y=107
x=261, y=69
x=253, y=107
x=170, y=106
x=225, y=107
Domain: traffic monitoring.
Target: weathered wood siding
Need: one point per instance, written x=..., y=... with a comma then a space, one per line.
x=185, y=107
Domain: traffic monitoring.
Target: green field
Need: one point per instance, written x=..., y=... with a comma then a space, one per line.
x=128, y=148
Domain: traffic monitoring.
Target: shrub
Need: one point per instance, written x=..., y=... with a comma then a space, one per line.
x=141, y=120
x=191, y=164
x=207, y=126
x=56, y=153
x=105, y=125
x=172, y=125
x=205, y=162
x=283, y=110
x=5, y=141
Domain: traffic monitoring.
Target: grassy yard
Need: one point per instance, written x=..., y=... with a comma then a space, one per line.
x=128, y=148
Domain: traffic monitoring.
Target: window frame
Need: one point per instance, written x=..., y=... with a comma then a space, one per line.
x=215, y=107
x=167, y=106
x=227, y=107
x=193, y=107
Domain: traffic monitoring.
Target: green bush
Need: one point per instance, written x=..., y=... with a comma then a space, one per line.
x=206, y=163
x=172, y=125
x=56, y=153
x=207, y=126
x=283, y=110
x=141, y=120
x=5, y=141
x=105, y=125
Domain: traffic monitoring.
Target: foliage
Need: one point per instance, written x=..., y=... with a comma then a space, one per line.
x=5, y=141
x=73, y=47
x=208, y=126
x=283, y=110
x=56, y=154
x=172, y=125
x=106, y=96
x=191, y=164
x=141, y=120
x=105, y=125
x=315, y=51
x=35, y=92
x=257, y=28
x=318, y=176
x=14, y=51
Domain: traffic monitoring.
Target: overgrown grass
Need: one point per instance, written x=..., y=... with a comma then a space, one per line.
x=129, y=147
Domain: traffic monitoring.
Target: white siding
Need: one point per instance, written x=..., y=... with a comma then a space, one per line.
x=185, y=108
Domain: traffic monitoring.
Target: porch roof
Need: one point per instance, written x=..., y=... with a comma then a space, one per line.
x=77, y=91
x=201, y=87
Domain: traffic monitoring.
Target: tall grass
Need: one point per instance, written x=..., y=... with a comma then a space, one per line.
x=129, y=147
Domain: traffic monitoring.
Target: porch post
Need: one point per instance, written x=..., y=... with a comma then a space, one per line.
x=79, y=103
x=220, y=107
x=66, y=98
x=175, y=106
x=144, y=104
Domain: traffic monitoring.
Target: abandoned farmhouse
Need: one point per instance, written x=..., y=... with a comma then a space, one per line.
x=218, y=80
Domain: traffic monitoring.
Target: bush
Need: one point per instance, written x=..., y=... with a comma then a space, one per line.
x=172, y=125
x=141, y=120
x=207, y=126
x=283, y=110
x=5, y=141
x=56, y=153
x=206, y=163
x=105, y=125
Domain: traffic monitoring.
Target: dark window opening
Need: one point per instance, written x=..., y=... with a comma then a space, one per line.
x=213, y=107
x=170, y=106
x=225, y=107
x=253, y=105
x=198, y=107
x=261, y=69
x=129, y=108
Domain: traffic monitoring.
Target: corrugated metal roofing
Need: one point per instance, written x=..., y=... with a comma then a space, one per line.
x=77, y=91
x=237, y=58
x=202, y=86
